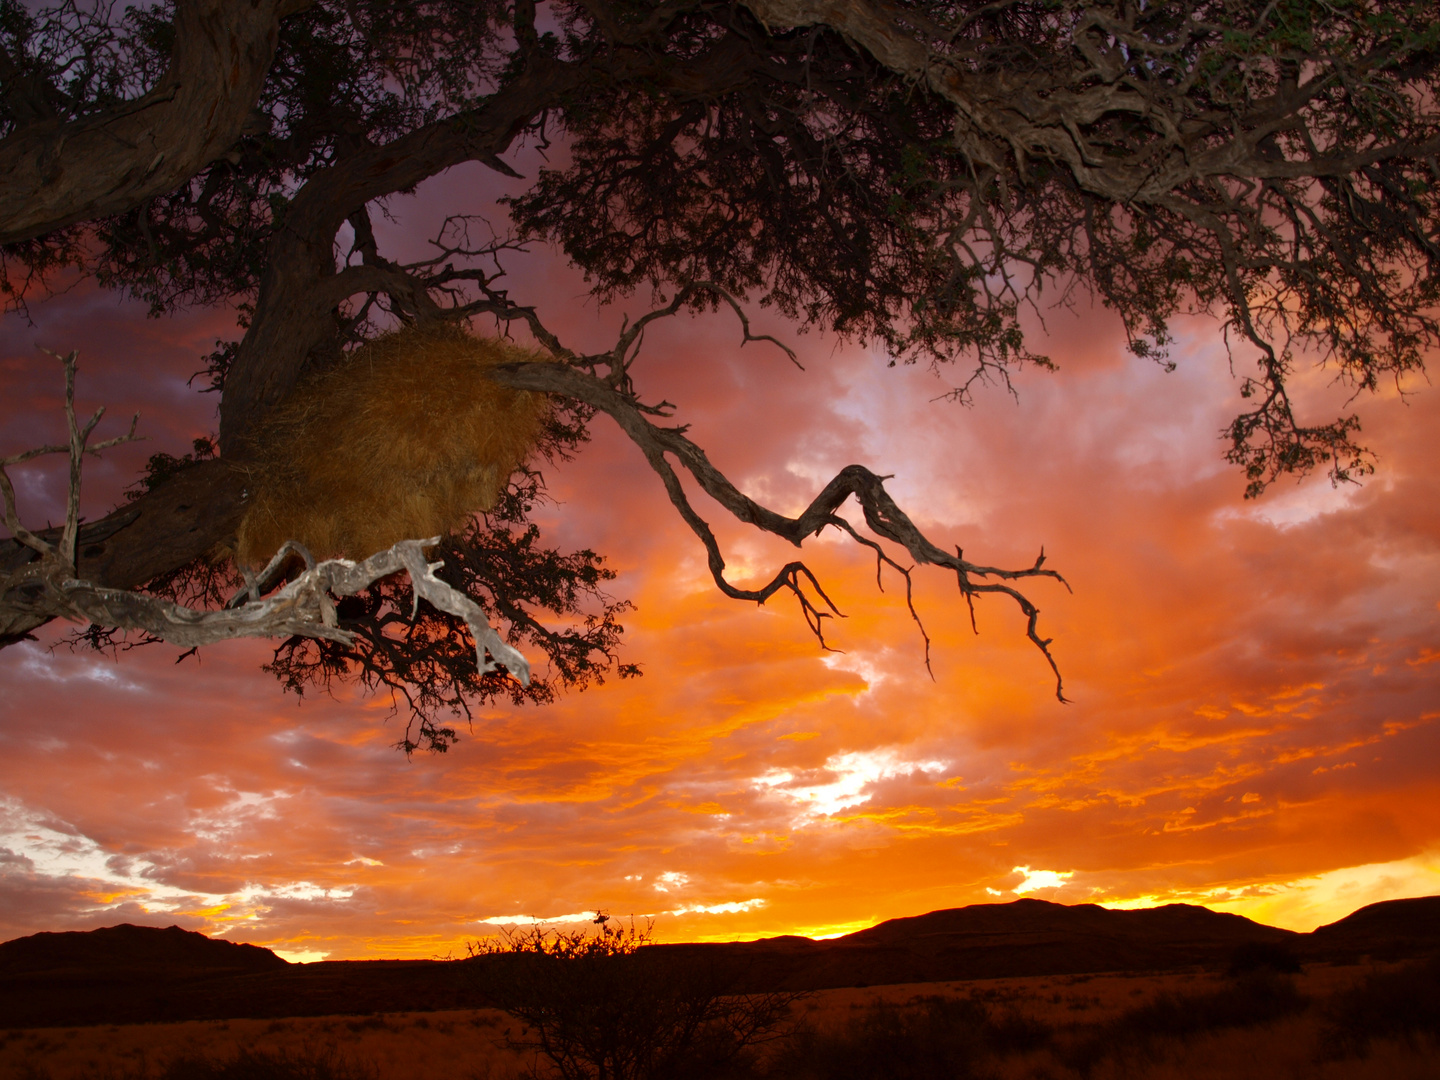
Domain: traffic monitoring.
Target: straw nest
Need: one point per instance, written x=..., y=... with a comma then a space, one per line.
x=403, y=440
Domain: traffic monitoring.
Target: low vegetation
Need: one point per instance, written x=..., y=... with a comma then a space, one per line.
x=624, y=1017
x=934, y=1036
x=1395, y=1005
x=601, y=1006
x=246, y=1063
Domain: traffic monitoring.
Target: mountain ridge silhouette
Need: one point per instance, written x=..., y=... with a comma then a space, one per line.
x=128, y=974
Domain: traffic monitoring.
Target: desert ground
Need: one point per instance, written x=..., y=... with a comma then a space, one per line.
x=1098, y=1027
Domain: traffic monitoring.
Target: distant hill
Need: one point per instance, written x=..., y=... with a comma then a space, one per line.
x=126, y=974
x=130, y=948
x=121, y=974
x=1390, y=929
x=987, y=941
x=134, y=974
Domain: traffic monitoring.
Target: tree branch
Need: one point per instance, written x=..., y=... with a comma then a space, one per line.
x=49, y=588
x=881, y=513
x=302, y=607
x=299, y=290
x=54, y=173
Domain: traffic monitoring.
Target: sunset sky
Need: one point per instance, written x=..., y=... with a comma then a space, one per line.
x=1256, y=716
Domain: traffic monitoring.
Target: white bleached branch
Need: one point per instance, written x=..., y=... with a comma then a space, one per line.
x=304, y=606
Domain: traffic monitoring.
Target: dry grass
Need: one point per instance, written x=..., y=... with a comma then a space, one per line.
x=463, y=1044
x=1173, y=1026
x=1179, y=1026
x=402, y=441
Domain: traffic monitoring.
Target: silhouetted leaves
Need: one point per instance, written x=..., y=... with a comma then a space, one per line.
x=601, y=1006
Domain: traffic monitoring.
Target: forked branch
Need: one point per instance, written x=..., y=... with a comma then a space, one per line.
x=881, y=513
x=304, y=606
x=601, y=381
x=76, y=447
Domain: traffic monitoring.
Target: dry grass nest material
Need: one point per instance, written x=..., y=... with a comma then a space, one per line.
x=403, y=440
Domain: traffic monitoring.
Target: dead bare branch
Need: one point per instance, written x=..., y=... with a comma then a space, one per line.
x=881, y=513
x=76, y=447
x=305, y=606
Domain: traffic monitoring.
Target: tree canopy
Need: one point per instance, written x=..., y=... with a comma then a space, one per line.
x=915, y=173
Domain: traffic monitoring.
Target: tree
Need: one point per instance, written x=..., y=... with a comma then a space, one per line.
x=610, y=1005
x=915, y=173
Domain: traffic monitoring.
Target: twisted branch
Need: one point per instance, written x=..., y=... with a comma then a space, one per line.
x=305, y=606
x=602, y=381
x=881, y=513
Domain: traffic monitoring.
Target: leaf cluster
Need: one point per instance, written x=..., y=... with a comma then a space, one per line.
x=1274, y=165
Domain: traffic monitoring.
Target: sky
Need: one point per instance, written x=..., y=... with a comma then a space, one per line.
x=1255, y=721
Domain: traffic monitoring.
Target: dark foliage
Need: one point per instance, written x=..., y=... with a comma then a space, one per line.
x=247, y=1063
x=544, y=599
x=919, y=174
x=869, y=208
x=253, y=1064
x=1258, y=997
x=1253, y=956
x=426, y=658
x=162, y=466
x=1254, y=999
x=601, y=1005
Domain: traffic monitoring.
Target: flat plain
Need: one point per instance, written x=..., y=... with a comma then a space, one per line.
x=1096, y=1027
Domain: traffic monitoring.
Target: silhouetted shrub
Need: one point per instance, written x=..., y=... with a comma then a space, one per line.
x=1393, y=1004
x=600, y=1005
x=1250, y=1000
x=245, y=1064
x=1016, y=1033
x=1264, y=956
x=1255, y=998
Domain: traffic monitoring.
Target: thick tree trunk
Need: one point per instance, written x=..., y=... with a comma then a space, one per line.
x=56, y=173
x=301, y=288
x=201, y=507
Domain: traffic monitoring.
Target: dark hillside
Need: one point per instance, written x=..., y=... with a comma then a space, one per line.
x=130, y=948
x=127, y=974
x=985, y=941
x=1389, y=930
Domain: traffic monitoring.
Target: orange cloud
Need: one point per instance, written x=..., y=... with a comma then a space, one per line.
x=1254, y=697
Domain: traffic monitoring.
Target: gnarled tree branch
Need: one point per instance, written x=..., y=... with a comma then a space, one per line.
x=56, y=172
x=882, y=514
x=49, y=588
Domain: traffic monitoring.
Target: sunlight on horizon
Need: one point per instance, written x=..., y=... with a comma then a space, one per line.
x=1305, y=903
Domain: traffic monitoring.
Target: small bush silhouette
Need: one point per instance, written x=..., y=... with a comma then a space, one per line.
x=1264, y=956
x=600, y=1005
x=252, y=1064
x=1251, y=1000
x=246, y=1064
